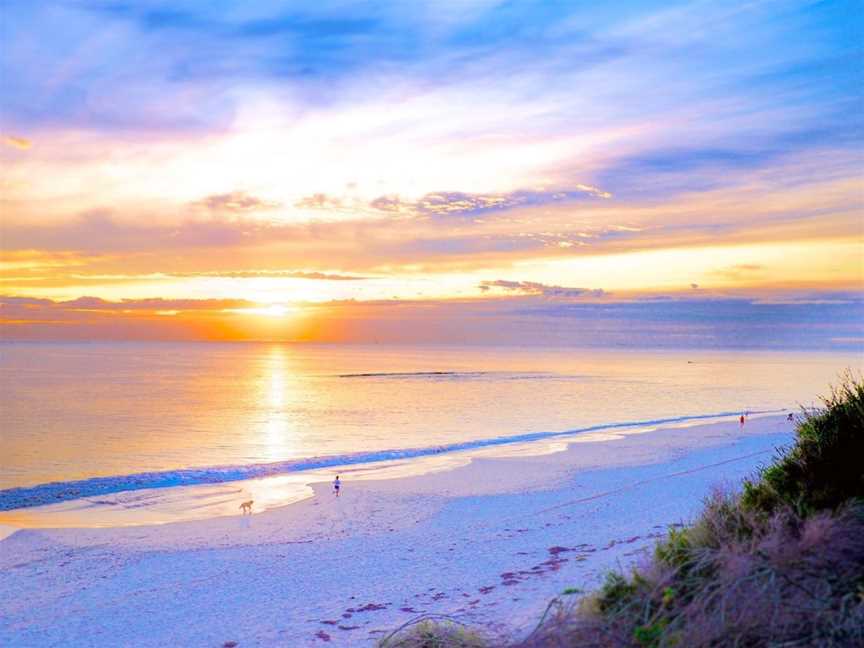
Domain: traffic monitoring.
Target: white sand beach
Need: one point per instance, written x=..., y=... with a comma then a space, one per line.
x=486, y=539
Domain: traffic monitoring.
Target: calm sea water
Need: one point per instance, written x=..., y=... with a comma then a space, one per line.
x=78, y=411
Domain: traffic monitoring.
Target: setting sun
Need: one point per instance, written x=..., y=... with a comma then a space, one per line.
x=274, y=310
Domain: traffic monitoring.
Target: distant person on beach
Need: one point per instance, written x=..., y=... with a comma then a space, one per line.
x=336, y=485
x=742, y=420
x=790, y=417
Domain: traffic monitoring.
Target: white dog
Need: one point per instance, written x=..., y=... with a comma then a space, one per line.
x=246, y=507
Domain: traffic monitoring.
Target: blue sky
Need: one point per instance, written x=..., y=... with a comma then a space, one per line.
x=432, y=150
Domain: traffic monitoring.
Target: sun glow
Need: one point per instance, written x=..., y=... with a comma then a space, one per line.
x=274, y=310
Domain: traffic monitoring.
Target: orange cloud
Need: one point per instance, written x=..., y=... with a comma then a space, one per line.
x=236, y=202
x=20, y=143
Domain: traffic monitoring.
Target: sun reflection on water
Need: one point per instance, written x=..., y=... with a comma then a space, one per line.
x=278, y=432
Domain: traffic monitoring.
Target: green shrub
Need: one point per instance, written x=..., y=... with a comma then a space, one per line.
x=649, y=635
x=675, y=550
x=617, y=592
x=825, y=467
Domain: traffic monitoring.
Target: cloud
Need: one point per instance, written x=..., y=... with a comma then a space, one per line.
x=383, y=245
x=92, y=318
x=738, y=271
x=545, y=290
x=747, y=266
x=387, y=204
x=35, y=260
x=816, y=298
x=694, y=322
x=458, y=203
x=20, y=143
x=87, y=303
x=237, y=202
x=454, y=203
x=24, y=301
x=319, y=201
x=101, y=231
x=285, y=274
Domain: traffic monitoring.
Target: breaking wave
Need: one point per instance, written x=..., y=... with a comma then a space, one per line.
x=54, y=492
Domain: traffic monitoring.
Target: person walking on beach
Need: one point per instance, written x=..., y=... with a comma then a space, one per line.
x=336, y=485
x=742, y=420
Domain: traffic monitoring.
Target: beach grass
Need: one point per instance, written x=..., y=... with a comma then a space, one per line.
x=823, y=470
x=434, y=633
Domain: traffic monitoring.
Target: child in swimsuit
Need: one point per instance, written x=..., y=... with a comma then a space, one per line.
x=336, y=485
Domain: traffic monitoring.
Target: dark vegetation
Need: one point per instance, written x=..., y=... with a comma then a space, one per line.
x=779, y=564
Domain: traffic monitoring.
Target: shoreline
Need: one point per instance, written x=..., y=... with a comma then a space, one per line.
x=201, y=493
x=490, y=542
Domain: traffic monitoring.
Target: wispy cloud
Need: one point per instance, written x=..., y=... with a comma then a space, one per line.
x=20, y=143
x=535, y=288
x=283, y=274
x=29, y=260
x=696, y=322
x=237, y=202
x=320, y=201
x=739, y=271
x=153, y=304
x=459, y=203
x=452, y=203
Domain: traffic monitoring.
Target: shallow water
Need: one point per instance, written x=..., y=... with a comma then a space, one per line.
x=79, y=411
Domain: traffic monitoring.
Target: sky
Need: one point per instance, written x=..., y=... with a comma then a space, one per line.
x=477, y=171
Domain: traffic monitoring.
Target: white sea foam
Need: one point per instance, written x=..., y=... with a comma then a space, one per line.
x=54, y=492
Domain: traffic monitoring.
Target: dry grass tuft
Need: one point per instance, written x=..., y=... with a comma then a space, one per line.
x=434, y=631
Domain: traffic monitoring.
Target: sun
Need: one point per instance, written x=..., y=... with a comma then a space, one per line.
x=273, y=310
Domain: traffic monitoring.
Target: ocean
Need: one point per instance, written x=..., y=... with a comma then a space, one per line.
x=89, y=418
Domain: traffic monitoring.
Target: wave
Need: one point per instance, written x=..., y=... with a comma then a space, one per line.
x=412, y=374
x=54, y=492
x=454, y=374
